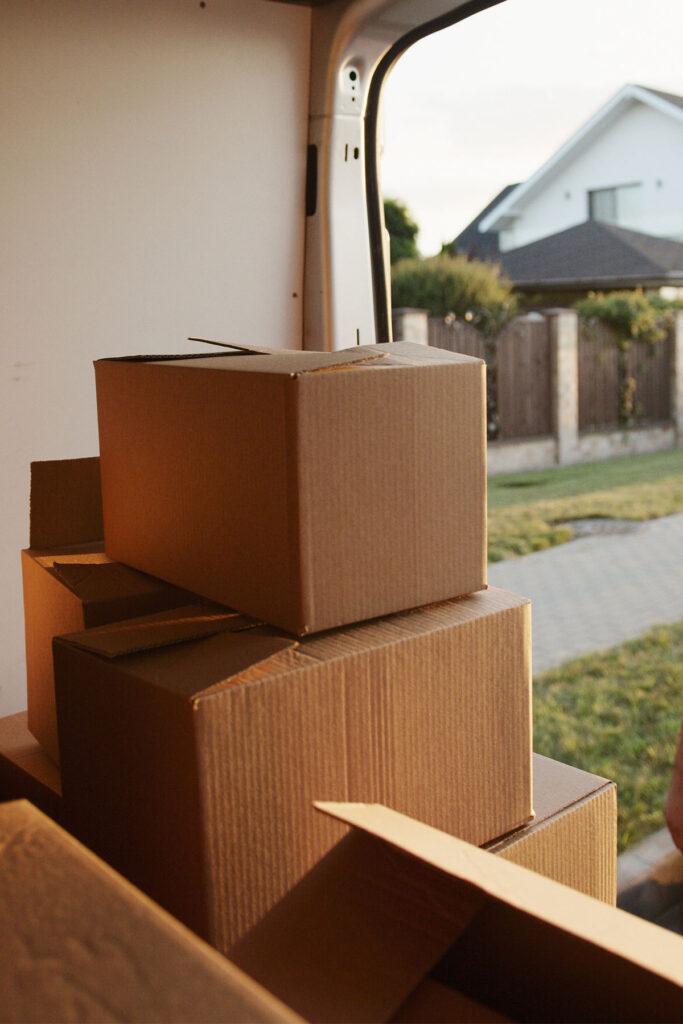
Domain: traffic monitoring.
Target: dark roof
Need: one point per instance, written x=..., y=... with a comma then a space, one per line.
x=670, y=97
x=478, y=244
x=594, y=254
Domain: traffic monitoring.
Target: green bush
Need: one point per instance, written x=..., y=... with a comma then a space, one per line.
x=453, y=285
x=633, y=315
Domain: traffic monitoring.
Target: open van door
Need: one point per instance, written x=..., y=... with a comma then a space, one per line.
x=354, y=43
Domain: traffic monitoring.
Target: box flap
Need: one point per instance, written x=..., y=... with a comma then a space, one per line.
x=163, y=629
x=66, y=503
x=357, y=934
x=92, y=581
x=620, y=934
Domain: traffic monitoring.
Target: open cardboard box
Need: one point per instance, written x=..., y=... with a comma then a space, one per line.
x=194, y=741
x=69, y=583
x=308, y=489
x=81, y=944
x=401, y=922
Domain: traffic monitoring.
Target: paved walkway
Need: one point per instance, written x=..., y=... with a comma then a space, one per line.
x=599, y=591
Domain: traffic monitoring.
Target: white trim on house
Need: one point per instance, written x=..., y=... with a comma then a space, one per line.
x=502, y=215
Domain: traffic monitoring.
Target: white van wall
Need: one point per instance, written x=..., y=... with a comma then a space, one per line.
x=151, y=187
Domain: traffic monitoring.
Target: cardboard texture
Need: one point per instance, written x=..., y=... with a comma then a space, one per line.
x=69, y=583
x=26, y=772
x=191, y=768
x=573, y=837
x=398, y=912
x=308, y=489
x=80, y=944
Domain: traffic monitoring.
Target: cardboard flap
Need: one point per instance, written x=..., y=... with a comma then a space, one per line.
x=248, y=349
x=66, y=503
x=357, y=934
x=93, y=581
x=162, y=629
x=654, y=952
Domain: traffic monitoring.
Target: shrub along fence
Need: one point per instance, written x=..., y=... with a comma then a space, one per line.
x=560, y=389
x=635, y=393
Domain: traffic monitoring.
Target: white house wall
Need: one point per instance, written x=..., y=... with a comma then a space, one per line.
x=151, y=187
x=642, y=145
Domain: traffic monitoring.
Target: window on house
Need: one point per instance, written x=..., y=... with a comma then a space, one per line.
x=617, y=205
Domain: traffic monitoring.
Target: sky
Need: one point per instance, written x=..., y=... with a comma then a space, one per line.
x=484, y=103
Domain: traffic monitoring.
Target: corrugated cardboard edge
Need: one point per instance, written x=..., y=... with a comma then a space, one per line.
x=65, y=503
x=584, y=917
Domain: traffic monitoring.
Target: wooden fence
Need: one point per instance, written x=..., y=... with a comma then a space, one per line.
x=519, y=376
x=648, y=370
x=518, y=372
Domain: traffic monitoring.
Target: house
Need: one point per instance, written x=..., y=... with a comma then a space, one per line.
x=596, y=214
x=595, y=256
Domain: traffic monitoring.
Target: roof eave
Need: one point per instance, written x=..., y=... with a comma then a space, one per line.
x=625, y=281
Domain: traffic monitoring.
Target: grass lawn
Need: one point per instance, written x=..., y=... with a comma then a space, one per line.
x=617, y=714
x=532, y=511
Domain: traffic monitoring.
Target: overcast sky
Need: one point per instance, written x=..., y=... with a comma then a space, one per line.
x=484, y=103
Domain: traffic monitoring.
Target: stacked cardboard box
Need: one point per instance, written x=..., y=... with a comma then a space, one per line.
x=69, y=582
x=337, y=501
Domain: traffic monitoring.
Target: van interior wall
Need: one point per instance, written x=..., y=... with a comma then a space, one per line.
x=151, y=187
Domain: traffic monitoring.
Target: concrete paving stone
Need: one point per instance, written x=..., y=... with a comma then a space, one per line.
x=599, y=591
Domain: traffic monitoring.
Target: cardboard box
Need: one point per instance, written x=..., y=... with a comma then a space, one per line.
x=399, y=913
x=308, y=489
x=80, y=944
x=573, y=837
x=26, y=772
x=191, y=768
x=69, y=583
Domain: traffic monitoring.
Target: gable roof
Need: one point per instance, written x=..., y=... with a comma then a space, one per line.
x=476, y=243
x=595, y=255
x=664, y=102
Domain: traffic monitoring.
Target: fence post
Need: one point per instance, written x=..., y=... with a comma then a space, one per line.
x=677, y=380
x=410, y=325
x=563, y=327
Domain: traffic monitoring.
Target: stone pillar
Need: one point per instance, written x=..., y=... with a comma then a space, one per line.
x=563, y=326
x=410, y=325
x=677, y=379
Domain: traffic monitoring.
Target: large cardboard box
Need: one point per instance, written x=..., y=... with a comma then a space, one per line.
x=309, y=489
x=402, y=922
x=69, y=583
x=80, y=944
x=191, y=767
x=26, y=772
x=573, y=836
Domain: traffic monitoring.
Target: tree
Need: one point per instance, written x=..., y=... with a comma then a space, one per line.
x=402, y=230
x=476, y=291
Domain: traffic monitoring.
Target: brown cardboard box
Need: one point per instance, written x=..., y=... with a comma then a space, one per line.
x=191, y=768
x=573, y=837
x=80, y=944
x=402, y=922
x=69, y=583
x=309, y=489
x=26, y=772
